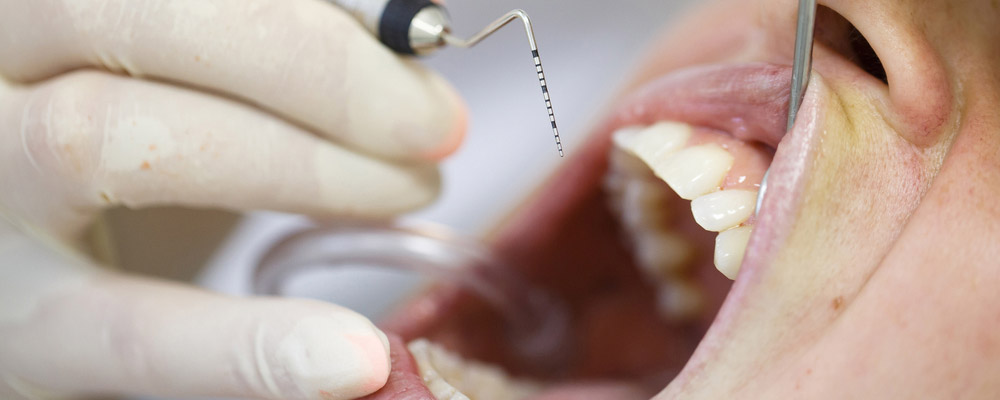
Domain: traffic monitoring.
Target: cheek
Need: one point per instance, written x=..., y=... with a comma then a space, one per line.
x=862, y=183
x=864, y=176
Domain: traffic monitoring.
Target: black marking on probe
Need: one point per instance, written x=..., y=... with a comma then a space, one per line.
x=548, y=102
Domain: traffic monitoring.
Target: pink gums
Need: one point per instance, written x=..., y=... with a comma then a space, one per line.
x=747, y=101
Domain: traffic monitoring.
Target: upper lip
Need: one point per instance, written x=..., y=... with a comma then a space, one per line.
x=748, y=101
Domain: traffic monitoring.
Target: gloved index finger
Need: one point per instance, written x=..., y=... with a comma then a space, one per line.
x=305, y=60
x=71, y=330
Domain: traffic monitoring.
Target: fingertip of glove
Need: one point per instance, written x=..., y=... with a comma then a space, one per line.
x=338, y=356
x=456, y=135
x=376, y=347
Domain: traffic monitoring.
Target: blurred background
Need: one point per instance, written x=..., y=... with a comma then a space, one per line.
x=587, y=47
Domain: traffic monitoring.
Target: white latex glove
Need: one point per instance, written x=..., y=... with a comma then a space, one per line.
x=245, y=104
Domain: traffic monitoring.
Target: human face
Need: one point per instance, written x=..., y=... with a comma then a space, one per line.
x=871, y=270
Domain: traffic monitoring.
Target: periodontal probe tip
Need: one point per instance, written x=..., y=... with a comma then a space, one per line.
x=493, y=27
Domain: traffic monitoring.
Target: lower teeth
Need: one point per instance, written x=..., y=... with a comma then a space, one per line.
x=450, y=377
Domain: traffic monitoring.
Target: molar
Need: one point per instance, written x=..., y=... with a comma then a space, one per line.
x=642, y=204
x=724, y=209
x=680, y=299
x=694, y=171
x=661, y=255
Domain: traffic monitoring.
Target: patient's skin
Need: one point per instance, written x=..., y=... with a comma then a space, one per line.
x=879, y=281
x=883, y=285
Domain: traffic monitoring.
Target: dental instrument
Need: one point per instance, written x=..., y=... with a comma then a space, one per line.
x=419, y=27
x=536, y=323
x=801, y=66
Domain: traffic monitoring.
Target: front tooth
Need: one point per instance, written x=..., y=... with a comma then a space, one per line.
x=724, y=209
x=623, y=162
x=729, y=248
x=694, y=171
x=622, y=158
x=625, y=137
x=660, y=140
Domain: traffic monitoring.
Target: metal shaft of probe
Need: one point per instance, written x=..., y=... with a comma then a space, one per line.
x=493, y=27
x=801, y=66
x=802, y=63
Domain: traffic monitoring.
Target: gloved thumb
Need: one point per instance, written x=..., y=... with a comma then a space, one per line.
x=67, y=329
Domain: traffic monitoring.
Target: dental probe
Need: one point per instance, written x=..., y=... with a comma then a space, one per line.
x=419, y=27
x=801, y=66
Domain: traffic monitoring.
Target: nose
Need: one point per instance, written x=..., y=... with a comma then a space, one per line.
x=919, y=87
x=880, y=43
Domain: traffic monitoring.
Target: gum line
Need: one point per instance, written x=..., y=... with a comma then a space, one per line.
x=649, y=224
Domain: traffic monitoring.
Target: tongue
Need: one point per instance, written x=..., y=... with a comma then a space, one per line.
x=404, y=381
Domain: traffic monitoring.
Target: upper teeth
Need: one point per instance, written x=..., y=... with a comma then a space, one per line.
x=641, y=200
x=654, y=142
x=729, y=248
x=695, y=172
x=724, y=209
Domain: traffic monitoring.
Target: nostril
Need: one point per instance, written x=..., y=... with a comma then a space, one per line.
x=839, y=34
x=885, y=42
x=865, y=57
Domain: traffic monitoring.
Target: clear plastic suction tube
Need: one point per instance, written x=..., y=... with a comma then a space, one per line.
x=536, y=322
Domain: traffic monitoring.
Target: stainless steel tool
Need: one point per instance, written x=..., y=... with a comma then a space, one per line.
x=420, y=27
x=801, y=67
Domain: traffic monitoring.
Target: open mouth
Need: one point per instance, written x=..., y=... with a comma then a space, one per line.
x=641, y=232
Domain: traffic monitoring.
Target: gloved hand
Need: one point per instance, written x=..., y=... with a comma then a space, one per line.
x=286, y=105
